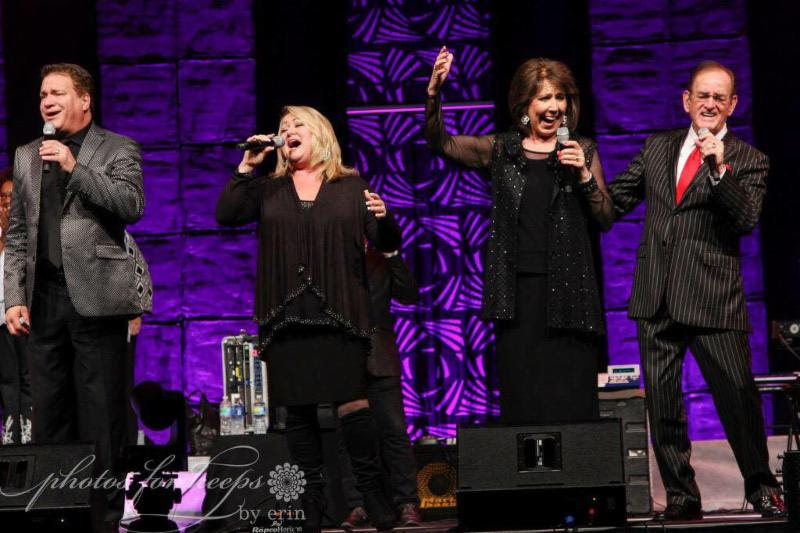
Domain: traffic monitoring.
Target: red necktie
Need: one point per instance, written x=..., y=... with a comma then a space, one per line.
x=687, y=174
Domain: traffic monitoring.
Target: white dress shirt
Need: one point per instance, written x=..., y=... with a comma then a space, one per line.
x=688, y=147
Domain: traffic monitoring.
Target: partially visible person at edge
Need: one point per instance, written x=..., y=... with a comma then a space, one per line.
x=312, y=294
x=540, y=286
x=15, y=384
x=389, y=279
x=144, y=296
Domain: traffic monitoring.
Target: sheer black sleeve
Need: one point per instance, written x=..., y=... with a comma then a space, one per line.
x=465, y=149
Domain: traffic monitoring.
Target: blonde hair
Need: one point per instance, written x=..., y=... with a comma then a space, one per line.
x=325, y=150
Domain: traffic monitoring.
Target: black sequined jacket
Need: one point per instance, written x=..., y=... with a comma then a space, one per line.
x=322, y=254
x=573, y=295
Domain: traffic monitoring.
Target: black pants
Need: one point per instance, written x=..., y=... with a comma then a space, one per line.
x=724, y=359
x=386, y=401
x=77, y=375
x=15, y=388
x=545, y=375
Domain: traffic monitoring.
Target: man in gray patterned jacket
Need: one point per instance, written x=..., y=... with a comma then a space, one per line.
x=69, y=281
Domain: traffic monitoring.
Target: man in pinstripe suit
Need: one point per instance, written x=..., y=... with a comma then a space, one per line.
x=69, y=281
x=687, y=289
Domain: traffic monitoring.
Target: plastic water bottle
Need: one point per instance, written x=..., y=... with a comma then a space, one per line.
x=259, y=416
x=225, y=416
x=237, y=415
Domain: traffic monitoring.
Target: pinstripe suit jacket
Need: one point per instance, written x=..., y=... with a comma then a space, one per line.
x=688, y=257
x=104, y=193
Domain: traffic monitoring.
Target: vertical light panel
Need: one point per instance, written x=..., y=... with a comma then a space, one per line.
x=179, y=77
x=446, y=350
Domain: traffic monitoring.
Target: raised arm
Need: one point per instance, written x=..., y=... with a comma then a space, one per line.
x=627, y=189
x=740, y=192
x=583, y=157
x=468, y=150
x=118, y=188
x=240, y=201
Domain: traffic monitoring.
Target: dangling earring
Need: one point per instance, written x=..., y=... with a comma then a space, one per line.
x=525, y=120
x=564, y=120
x=326, y=155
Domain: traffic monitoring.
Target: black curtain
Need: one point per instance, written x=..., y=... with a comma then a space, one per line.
x=301, y=52
x=774, y=42
x=35, y=33
x=526, y=29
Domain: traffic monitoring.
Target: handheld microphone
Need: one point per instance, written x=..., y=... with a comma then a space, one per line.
x=709, y=160
x=562, y=136
x=49, y=132
x=276, y=141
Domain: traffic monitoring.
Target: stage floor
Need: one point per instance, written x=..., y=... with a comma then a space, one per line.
x=712, y=522
x=716, y=523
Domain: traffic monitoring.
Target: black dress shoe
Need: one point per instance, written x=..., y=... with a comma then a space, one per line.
x=770, y=505
x=677, y=512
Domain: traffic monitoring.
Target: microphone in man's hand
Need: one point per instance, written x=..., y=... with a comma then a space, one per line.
x=49, y=132
x=709, y=160
x=258, y=145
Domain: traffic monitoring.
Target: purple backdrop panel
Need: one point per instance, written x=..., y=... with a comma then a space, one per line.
x=205, y=170
x=712, y=18
x=623, y=346
x=734, y=53
x=212, y=108
x=136, y=29
x=616, y=153
x=202, y=367
x=219, y=275
x=210, y=28
x=615, y=21
x=140, y=101
x=158, y=355
x=162, y=211
x=635, y=92
x=619, y=247
x=162, y=255
x=752, y=267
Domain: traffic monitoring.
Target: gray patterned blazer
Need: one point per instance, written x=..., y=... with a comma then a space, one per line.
x=105, y=193
x=688, y=257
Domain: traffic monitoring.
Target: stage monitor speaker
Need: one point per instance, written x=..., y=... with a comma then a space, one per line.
x=628, y=406
x=437, y=466
x=555, y=475
x=791, y=484
x=39, y=492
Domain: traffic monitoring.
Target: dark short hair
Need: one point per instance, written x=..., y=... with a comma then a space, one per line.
x=83, y=81
x=6, y=175
x=711, y=65
x=528, y=79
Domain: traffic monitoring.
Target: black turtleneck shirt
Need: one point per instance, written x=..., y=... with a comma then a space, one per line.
x=54, y=191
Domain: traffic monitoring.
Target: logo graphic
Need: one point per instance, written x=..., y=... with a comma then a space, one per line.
x=287, y=482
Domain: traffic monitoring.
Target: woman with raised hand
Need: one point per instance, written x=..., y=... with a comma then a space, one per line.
x=540, y=286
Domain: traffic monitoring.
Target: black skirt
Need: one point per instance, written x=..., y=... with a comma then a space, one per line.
x=545, y=375
x=313, y=364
